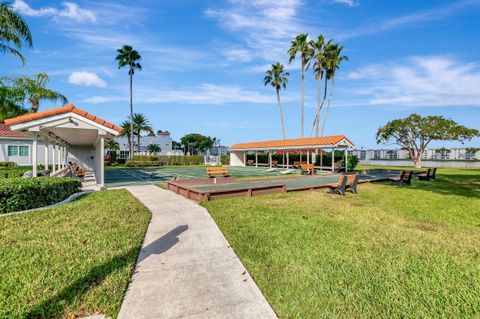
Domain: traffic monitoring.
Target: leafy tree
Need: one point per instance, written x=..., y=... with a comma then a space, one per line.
x=141, y=124
x=333, y=59
x=154, y=148
x=470, y=152
x=415, y=132
x=176, y=145
x=11, y=103
x=196, y=143
x=127, y=56
x=14, y=32
x=277, y=77
x=112, y=147
x=300, y=45
x=34, y=89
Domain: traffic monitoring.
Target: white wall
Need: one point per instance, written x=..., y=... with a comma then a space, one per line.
x=23, y=160
x=84, y=156
x=237, y=159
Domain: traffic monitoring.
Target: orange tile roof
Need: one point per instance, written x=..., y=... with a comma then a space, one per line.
x=296, y=142
x=5, y=131
x=61, y=110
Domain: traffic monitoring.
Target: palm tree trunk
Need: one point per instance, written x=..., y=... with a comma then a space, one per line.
x=321, y=106
x=315, y=122
x=329, y=102
x=303, y=92
x=138, y=140
x=35, y=105
x=281, y=115
x=131, y=112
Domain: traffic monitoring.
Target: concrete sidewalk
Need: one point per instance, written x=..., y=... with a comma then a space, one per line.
x=186, y=268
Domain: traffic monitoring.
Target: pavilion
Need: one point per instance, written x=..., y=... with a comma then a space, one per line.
x=309, y=145
x=74, y=135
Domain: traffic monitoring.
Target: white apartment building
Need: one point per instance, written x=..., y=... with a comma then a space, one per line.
x=430, y=154
x=163, y=140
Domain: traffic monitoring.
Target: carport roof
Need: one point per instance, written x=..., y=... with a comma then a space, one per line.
x=66, y=109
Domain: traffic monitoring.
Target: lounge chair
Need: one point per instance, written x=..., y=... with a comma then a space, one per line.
x=405, y=177
x=345, y=182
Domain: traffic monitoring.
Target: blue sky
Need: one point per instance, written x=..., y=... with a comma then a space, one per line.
x=204, y=62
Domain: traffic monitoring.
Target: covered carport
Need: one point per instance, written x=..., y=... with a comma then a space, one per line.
x=310, y=146
x=74, y=136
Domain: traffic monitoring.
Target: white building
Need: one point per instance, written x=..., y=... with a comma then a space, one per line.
x=163, y=140
x=429, y=154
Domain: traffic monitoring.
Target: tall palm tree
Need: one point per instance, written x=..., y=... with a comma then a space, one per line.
x=126, y=127
x=277, y=77
x=127, y=56
x=13, y=32
x=34, y=90
x=333, y=59
x=318, y=48
x=300, y=45
x=141, y=124
x=11, y=102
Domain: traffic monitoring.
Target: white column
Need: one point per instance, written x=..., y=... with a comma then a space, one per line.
x=55, y=160
x=346, y=161
x=333, y=160
x=34, y=156
x=102, y=163
x=288, y=161
x=65, y=156
x=46, y=155
x=308, y=156
x=270, y=159
x=244, y=158
x=256, y=159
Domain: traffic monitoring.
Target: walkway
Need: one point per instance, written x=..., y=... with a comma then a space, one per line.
x=186, y=268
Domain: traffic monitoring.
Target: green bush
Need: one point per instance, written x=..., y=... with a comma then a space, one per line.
x=225, y=160
x=8, y=164
x=26, y=193
x=147, y=160
x=13, y=172
x=352, y=162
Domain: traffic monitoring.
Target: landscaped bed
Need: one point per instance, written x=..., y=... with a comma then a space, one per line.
x=71, y=260
x=388, y=252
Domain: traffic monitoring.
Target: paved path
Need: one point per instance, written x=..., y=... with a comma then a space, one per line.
x=186, y=268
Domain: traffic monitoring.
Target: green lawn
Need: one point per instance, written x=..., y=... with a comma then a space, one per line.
x=388, y=252
x=72, y=260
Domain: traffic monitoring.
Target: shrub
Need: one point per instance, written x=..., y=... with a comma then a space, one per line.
x=13, y=172
x=147, y=160
x=225, y=160
x=26, y=193
x=352, y=162
x=8, y=164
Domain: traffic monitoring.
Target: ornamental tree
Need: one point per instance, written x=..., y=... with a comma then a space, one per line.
x=415, y=132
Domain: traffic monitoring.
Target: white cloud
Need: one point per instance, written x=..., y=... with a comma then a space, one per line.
x=350, y=3
x=70, y=10
x=241, y=55
x=87, y=79
x=421, y=81
x=206, y=93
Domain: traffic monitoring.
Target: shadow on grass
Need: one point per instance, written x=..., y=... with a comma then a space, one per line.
x=54, y=306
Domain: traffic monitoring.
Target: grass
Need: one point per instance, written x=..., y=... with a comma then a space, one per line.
x=72, y=260
x=388, y=252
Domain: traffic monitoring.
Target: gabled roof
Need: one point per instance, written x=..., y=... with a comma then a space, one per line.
x=296, y=143
x=61, y=110
x=5, y=131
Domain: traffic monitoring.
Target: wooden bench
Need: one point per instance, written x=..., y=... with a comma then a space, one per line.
x=250, y=162
x=217, y=171
x=274, y=163
x=307, y=169
x=76, y=170
x=297, y=164
x=405, y=177
x=430, y=174
x=345, y=182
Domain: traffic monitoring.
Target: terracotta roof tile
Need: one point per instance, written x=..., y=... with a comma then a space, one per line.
x=296, y=142
x=61, y=110
x=5, y=131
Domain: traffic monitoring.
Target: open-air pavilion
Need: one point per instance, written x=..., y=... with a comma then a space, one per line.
x=311, y=147
x=67, y=134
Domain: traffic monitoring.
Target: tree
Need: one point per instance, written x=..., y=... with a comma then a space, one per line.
x=195, y=143
x=415, y=132
x=112, y=148
x=127, y=56
x=126, y=127
x=153, y=148
x=141, y=124
x=333, y=59
x=300, y=45
x=14, y=32
x=277, y=77
x=176, y=145
x=11, y=103
x=34, y=90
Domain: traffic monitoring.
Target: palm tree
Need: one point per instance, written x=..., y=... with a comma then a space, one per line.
x=126, y=127
x=333, y=59
x=154, y=148
x=13, y=32
x=127, y=56
x=277, y=77
x=34, y=90
x=318, y=47
x=300, y=45
x=141, y=124
x=11, y=102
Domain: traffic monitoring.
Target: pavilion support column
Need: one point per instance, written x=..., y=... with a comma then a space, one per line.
x=283, y=159
x=256, y=159
x=333, y=160
x=321, y=159
x=270, y=159
x=46, y=155
x=55, y=158
x=34, y=155
x=346, y=161
x=308, y=157
x=288, y=161
x=244, y=158
x=65, y=156
x=102, y=164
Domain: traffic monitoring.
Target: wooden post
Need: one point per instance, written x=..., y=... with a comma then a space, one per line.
x=34, y=155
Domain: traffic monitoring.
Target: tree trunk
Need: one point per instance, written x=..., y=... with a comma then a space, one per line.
x=138, y=141
x=303, y=92
x=131, y=112
x=35, y=105
x=417, y=160
x=315, y=122
x=281, y=115
x=328, y=105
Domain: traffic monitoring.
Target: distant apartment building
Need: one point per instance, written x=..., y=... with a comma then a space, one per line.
x=163, y=140
x=430, y=154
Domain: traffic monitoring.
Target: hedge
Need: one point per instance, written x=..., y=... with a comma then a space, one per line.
x=150, y=160
x=18, y=194
x=14, y=171
x=8, y=164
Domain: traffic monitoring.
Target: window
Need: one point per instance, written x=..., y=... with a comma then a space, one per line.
x=12, y=150
x=23, y=150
